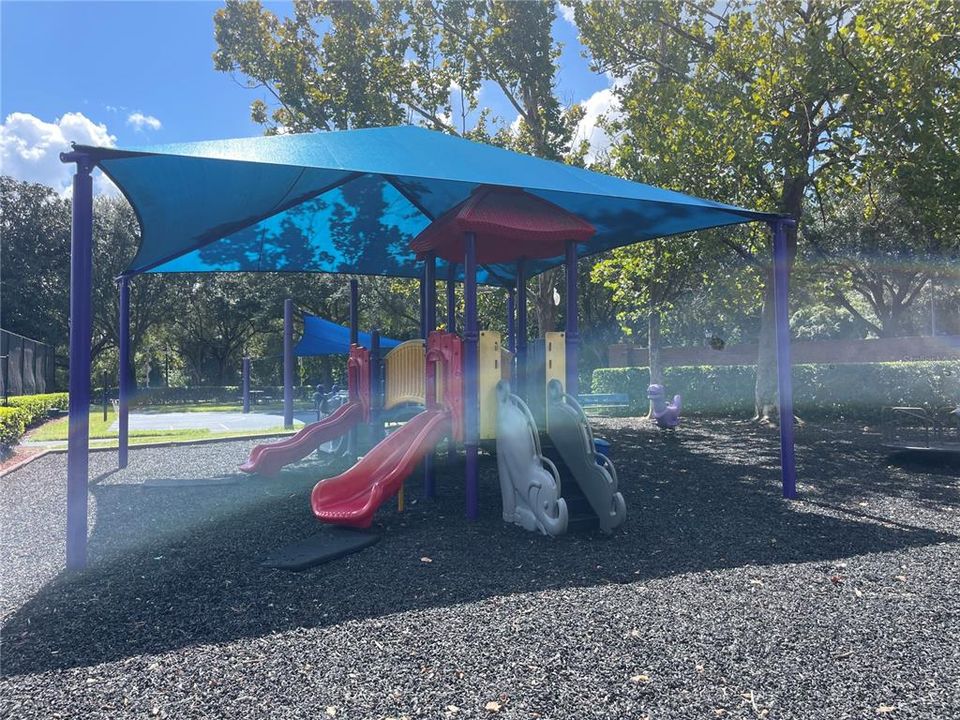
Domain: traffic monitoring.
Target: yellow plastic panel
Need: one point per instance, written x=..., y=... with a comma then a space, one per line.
x=488, y=375
x=555, y=363
x=404, y=374
x=555, y=358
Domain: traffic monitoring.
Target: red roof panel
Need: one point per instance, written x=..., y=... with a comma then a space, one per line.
x=509, y=223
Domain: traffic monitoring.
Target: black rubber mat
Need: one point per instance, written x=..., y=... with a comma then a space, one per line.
x=328, y=544
x=191, y=482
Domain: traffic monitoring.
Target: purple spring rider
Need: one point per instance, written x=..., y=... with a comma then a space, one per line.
x=666, y=414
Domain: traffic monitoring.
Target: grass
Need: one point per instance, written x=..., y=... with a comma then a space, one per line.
x=101, y=436
x=57, y=429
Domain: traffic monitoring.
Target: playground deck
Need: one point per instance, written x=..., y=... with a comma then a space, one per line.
x=717, y=599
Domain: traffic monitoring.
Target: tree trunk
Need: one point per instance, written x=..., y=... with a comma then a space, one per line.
x=654, y=364
x=222, y=370
x=765, y=392
x=545, y=306
x=134, y=346
x=933, y=307
x=653, y=350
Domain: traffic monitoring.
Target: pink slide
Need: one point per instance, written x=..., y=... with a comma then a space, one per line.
x=270, y=458
x=353, y=497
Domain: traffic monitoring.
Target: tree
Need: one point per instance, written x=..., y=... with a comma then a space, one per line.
x=874, y=258
x=762, y=104
x=383, y=63
x=217, y=318
x=599, y=327
x=116, y=236
x=36, y=241
x=906, y=63
x=35, y=262
x=647, y=280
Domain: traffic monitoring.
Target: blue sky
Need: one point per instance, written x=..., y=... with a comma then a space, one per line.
x=138, y=73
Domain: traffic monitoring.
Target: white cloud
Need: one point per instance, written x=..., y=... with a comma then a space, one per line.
x=141, y=121
x=30, y=149
x=602, y=104
x=566, y=12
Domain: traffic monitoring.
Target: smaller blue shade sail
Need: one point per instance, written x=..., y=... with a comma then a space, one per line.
x=323, y=337
x=351, y=201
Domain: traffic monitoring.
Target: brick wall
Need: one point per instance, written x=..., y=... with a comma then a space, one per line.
x=942, y=347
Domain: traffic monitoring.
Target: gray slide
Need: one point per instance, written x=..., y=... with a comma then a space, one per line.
x=529, y=482
x=571, y=435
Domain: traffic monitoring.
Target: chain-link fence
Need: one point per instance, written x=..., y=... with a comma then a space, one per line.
x=26, y=366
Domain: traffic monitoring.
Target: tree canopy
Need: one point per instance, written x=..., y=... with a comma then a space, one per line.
x=779, y=105
x=843, y=115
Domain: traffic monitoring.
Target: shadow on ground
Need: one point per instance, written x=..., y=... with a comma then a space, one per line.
x=856, y=463
x=179, y=566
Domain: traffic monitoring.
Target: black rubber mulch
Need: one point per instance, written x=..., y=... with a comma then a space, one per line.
x=718, y=598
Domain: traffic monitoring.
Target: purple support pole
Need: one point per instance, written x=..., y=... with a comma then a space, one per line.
x=423, y=306
x=573, y=327
x=246, y=385
x=288, y=363
x=354, y=312
x=376, y=400
x=452, y=297
x=511, y=315
x=78, y=441
x=430, y=320
x=123, y=379
x=781, y=282
x=471, y=335
x=430, y=293
x=521, y=342
x=353, y=439
x=451, y=327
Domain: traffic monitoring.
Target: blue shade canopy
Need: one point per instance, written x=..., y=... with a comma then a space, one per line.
x=351, y=201
x=323, y=337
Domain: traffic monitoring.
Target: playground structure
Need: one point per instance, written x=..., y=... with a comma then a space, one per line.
x=530, y=484
x=482, y=214
x=352, y=497
x=421, y=382
x=921, y=429
x=269, y=458
x=429, y=374
x=666, y=415
x=570, y=433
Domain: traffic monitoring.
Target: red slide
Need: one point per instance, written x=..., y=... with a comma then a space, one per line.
x=352, y=497
x=270, y=458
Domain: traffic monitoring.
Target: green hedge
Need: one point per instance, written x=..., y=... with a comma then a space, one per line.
x=856, y=389
x=217, y=394
x=23, y=411
x=13, y=423
x=38, y=407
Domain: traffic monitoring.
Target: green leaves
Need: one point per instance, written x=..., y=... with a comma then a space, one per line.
x=361, y=63
x=785, y=106
x=35, y=227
